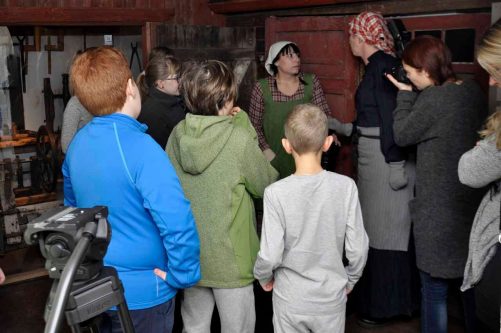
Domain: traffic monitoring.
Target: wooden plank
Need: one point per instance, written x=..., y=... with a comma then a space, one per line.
x=25, y=276
x=49, y=3
x=18, y=143
x=87, y=16
x=240, y=6
x=37, y=198
x=387, y=7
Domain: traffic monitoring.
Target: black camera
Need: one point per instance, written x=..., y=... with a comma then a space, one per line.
x=398, y=72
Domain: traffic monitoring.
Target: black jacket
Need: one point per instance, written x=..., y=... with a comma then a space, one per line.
x=161, y=112
x=375, y=101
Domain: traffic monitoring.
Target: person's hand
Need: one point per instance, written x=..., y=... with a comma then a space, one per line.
x=235, y=110
x=268, y=286
x=348, y=290
x=161, y=274
x=399, y=85
x=336, y=140
x=2, y=276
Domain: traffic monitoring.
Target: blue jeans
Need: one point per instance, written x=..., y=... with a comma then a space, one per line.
x=434, y=293
x=159, y=318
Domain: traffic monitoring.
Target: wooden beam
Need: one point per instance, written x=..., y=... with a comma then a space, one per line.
x=83, y=16
x=387, y=7
x=241, y=6
x=25, y=276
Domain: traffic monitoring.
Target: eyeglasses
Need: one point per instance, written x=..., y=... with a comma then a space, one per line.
x=177, y=78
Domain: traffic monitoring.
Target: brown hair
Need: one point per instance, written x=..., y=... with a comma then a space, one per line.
x=99, y=79
x=159, y=51
x=306, y=128
x=158, y=68
x=430, y=54
x=207, y=86
x=489, y=57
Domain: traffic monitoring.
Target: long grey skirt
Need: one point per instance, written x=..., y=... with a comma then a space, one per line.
x=385, y=211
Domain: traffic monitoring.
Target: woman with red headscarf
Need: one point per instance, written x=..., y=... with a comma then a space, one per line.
x=388, y=287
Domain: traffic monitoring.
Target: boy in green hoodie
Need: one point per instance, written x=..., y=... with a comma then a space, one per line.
x=218, y=160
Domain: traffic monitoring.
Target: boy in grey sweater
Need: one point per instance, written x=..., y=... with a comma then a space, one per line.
x=308, y=218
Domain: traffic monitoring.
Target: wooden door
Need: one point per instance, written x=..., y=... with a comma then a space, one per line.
x=325, y=51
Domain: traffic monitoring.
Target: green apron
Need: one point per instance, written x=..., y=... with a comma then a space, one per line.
x=275, y=114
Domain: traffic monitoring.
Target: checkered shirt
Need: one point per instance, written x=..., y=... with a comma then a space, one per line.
x=256, y=108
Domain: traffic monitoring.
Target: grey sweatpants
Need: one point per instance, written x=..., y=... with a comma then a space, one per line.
x=287, y=322
x=235, y=307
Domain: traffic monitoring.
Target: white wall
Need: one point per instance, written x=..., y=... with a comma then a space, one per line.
x=34, y=111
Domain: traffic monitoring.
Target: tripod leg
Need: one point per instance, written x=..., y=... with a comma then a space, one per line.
x=125, y=320
x=76, y=328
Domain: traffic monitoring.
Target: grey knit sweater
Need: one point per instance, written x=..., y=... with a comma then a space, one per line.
x=443, y=122
x=478, y=168
x=75, y=116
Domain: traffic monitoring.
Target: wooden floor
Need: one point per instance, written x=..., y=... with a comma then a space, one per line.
x=22, y=305
x=402, y=326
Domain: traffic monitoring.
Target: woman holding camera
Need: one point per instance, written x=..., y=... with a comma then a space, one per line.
x=442, y=120
x=385, y=181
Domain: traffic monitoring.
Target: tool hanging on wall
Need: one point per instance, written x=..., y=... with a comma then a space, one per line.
x=135, y=55
x=24, y=64
x=51, y=48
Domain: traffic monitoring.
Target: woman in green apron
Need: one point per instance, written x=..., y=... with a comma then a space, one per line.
x=274, y=97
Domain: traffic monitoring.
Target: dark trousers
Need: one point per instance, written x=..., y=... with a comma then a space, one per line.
x=434, y=293
x=159, y=318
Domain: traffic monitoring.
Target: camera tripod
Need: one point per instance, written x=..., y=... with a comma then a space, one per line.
x=74, y=241
x=84, y=300
x=87, y=300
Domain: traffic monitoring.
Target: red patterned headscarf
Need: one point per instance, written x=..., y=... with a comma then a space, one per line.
x=371, y=27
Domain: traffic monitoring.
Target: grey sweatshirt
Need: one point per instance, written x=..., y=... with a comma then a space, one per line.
x=307, y=221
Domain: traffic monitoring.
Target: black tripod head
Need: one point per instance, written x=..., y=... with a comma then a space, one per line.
x=59, y=230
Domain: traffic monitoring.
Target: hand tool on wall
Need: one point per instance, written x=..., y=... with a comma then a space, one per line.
x=135, y=55
x=24, y=64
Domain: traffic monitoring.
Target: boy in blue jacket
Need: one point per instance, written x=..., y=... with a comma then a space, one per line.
x=112, y=162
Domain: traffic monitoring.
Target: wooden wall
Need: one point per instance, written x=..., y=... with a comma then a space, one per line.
x=107, y=12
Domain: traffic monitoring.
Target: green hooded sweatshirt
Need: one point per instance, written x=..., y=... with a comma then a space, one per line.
x=221, y=167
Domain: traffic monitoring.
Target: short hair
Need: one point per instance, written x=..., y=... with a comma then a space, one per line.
x=432, y=55
x=489, y=51
x=306, y=128
x=159, y=51
x=99, y=79
x=158, y=68
x=207, y=86
x=290, y=48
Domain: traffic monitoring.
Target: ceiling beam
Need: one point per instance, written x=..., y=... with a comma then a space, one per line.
x=241, y=6
x=83, y=16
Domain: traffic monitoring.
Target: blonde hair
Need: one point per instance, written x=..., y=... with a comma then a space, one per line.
x=207, y=86
x=306, y=128
x=489, y=57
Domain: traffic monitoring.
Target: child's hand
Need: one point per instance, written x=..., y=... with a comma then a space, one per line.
x=2, y=276
x=235, y=110
x=268, y=286
x=161, y=274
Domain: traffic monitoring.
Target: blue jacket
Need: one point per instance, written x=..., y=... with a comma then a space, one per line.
x=112, y=162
